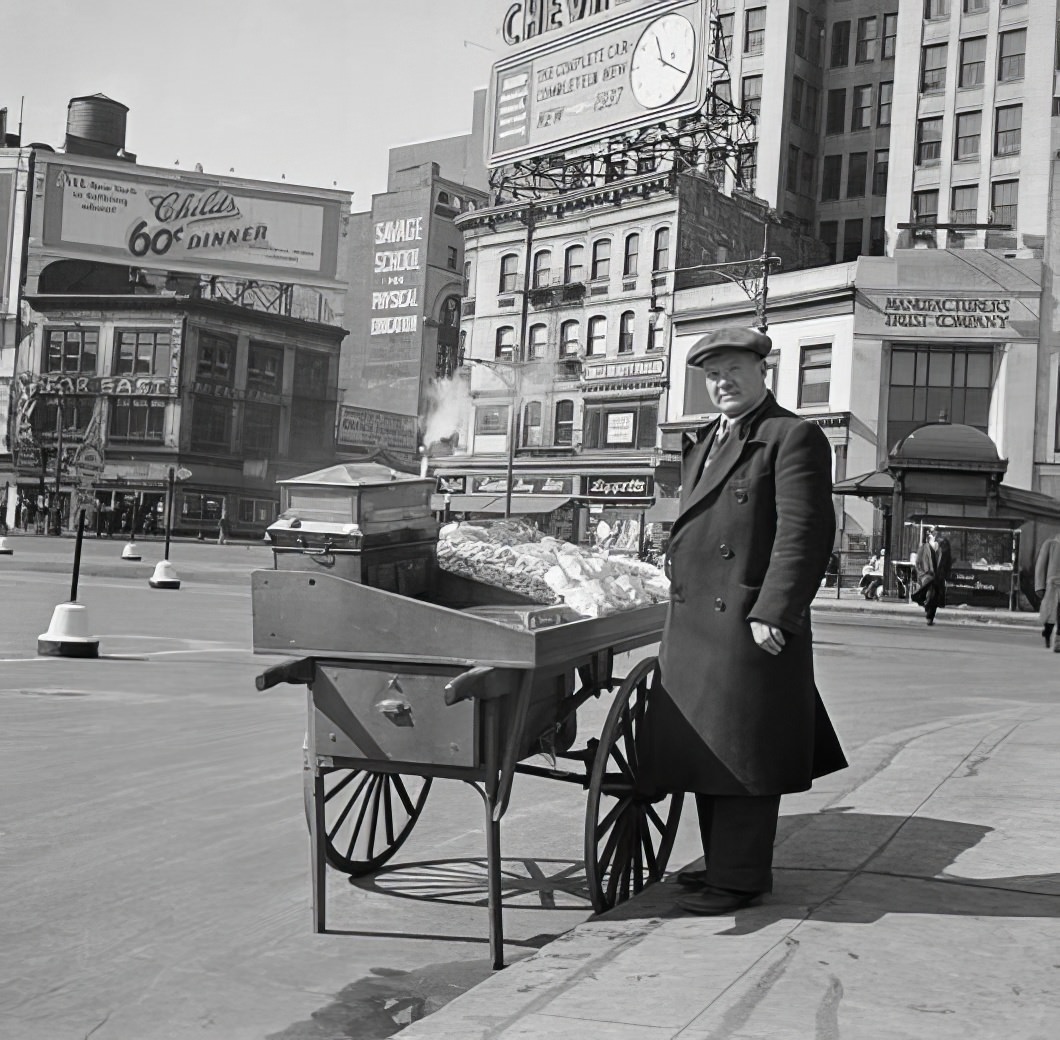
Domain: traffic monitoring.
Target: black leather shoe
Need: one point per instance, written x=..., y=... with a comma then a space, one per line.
x=692, y=878
x=711, y=902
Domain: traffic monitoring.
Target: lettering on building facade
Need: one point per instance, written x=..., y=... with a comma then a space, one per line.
x=945, y=312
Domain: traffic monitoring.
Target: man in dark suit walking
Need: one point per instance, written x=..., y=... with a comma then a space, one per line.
x=932, y=569
x=739, y=721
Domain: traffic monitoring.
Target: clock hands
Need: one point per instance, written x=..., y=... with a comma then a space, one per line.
x=669, y=65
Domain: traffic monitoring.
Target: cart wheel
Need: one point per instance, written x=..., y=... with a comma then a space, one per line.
x=628, y=836
x=367, y=816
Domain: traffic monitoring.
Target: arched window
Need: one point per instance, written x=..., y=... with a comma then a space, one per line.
x=509, y=273
x=601, y=259
x=563, y=433
x=532, y=424
x=597, y=335
x=660, y=260
x=537, y=340
x=569, y=339
x=625, y=333
x=505, y=350
x=542, y=269
x=629, y=258
x=466, y=287
x=574, y=264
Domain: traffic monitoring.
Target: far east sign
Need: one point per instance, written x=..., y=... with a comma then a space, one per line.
x=611, y=74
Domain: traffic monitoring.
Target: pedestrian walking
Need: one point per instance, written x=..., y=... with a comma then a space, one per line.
x=738, y=720
x=222, y=526
x=1047, y=585
x=932, y=570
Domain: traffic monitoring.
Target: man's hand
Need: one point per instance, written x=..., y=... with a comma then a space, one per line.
x=768, y=637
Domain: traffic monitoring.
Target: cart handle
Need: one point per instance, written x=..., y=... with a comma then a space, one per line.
x=464, y=686
x=298, y=671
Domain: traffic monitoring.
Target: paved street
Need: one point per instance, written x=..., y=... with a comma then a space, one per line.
x=152, y=838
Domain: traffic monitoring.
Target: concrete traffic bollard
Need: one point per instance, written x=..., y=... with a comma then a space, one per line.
x=68, y=634
x=164, y=577
x=131, y=553
x=5, y=549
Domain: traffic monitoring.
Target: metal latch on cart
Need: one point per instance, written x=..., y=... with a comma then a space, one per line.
x=395, y=708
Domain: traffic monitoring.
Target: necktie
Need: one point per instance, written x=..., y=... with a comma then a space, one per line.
x=724, y=426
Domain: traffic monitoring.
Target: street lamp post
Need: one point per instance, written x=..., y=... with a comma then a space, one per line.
x=512, y=369
x=57, y=518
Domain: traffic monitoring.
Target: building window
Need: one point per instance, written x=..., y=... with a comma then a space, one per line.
x=542, y=269
x=265, y=368
x=883, y=103
x=137, y=419
x=866, y=43
x=509, y=273
x=504, y=349
x=969, y=125
x=792, y=176
x=857, y=171
x=142, y=353
x=809, y=110
x=751, y=97
x=601, y=259
x=563, y=429
x=798, y=94
x=973, y=62
x=853, y=232
x=491, y=420
x=815, y=372
x=877, y=237
x=840, y=56
x=574, y=264
x=721, y=97
x=261, y=430
x=72, y=351
x=816, y=44
x=890, y=35
x=597, y=343
x=936, y=9
x=216, y=359
x=630, y=255
x=623, y=424
x=1011, y=51
x=311, y=375
x=828, y=233
x=964, y=204
x=747, y=166
x=538, y=338
x=1008, y=128
x=726, y=24
x=1004, y=201
x=625, y=333
x=211, y=423
x=929, y=382
x=933, y=67
x=976, y=6
x=452, y=257
x=569, y=339
x=802, y=19
x=257, y=510
x=926, y=207
x=836, y=112
x=660, y=260
x=881, y=161
x=861, y=108
x=806, y=174
x=831, y=176
x=929, y=140
x=532, y=424
x=754, y=30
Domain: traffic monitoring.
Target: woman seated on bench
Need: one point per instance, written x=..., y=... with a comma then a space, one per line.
x=871, y=585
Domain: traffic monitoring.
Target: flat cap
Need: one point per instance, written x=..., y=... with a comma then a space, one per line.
x=732, y=337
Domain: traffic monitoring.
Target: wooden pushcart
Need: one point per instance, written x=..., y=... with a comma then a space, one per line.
x=404, y=691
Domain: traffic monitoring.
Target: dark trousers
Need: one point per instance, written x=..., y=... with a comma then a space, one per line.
x=738, y=835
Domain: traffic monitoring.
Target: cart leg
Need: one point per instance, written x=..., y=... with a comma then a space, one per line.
x=493, y=867
x=316, y=853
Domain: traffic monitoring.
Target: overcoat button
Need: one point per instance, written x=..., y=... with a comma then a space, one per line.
x=741, y=497
x=719, y=604
x=726, y=552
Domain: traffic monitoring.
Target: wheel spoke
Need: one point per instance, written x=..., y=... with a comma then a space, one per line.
x=649, y=811
x=620, y=760
x=399, y=786
x=638, y=855
x=342, y=784
x=605, y=824
x=375, y=815
x=365, y=779
x=649, y=850
x=388, y=812
x=360, y=816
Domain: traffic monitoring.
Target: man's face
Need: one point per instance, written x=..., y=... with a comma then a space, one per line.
x=735, y=380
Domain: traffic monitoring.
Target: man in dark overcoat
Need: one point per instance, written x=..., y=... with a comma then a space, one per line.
x=933, y=560
x=738, y=720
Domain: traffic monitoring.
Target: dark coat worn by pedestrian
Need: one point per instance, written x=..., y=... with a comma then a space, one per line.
x=932, y=571
x=751, y=542
x=1047, y=580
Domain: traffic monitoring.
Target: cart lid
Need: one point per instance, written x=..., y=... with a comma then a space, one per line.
x=356, y=474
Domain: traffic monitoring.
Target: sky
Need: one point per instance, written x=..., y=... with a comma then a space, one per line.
x=314, y=92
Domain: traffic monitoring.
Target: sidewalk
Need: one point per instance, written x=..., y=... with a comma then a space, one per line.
x=917, y=896
x=852, y=602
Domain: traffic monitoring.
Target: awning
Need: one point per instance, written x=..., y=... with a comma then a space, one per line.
x=876, y=484
x=664, y=511
x=522, y=505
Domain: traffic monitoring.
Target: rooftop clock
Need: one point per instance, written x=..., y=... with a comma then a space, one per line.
x=662, y=60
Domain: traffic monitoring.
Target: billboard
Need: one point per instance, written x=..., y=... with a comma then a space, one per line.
x=367, y=428
x=187, y=222
x=609, y=74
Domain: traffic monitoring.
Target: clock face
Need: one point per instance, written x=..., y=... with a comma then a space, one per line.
x=662, y=60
